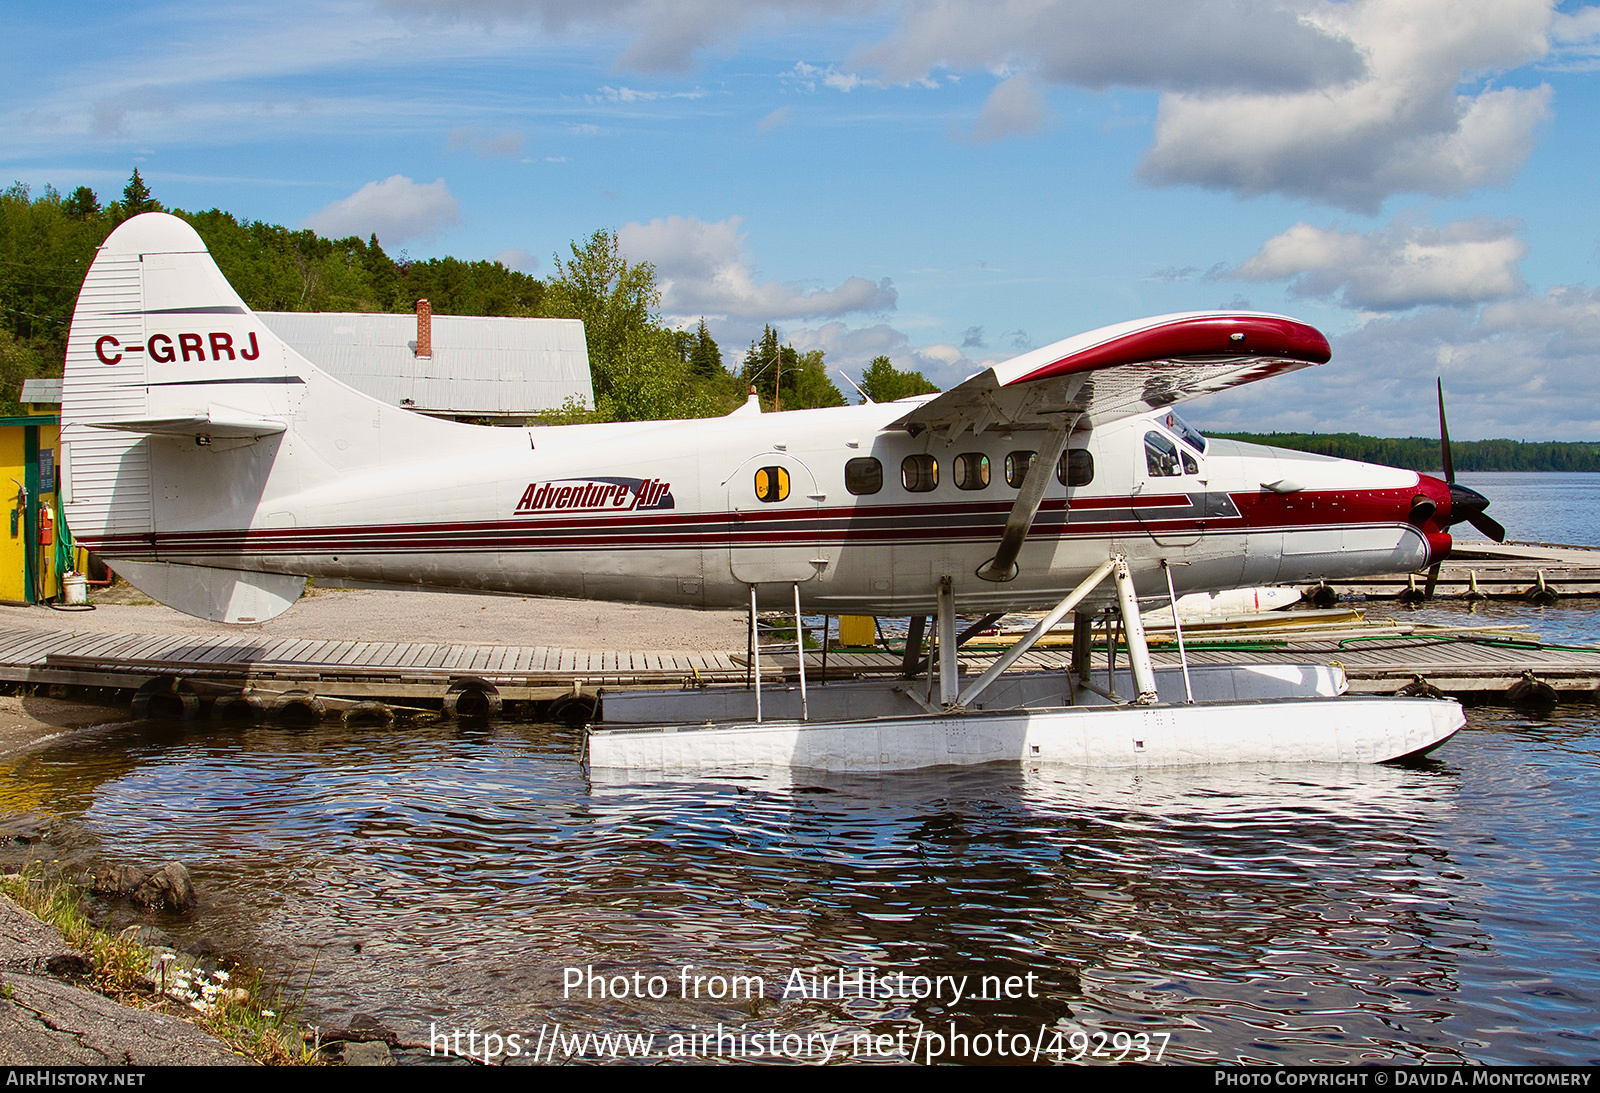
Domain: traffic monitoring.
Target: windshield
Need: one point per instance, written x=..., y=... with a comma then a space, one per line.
x=1184, y=431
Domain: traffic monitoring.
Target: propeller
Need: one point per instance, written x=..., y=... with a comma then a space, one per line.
x=1465, y=504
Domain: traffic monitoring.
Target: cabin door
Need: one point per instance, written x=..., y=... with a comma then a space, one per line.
x=1168, y=496
x=773, y=506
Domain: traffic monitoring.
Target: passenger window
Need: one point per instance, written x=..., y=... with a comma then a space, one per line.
x=772, y=484
x=1076, y=467
x=1189, y=464
x=971, y=471
x=1017, y=464
x=1160, y=456
x=919, y=473
x=863, y=475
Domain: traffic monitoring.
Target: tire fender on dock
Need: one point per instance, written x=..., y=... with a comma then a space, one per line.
x=1532, y=693
x=297, y=708
x=166, y=698
x=240, y=708
x=369, y=713
x=469, y=697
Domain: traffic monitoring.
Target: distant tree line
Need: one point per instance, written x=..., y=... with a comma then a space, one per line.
x=1419, y=453
x=641, y=367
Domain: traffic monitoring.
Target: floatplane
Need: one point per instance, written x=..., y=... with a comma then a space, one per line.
x=216, y=469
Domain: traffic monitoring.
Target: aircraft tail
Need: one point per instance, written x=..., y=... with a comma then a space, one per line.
x=174, y=402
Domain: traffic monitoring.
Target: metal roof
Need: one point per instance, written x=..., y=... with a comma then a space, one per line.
x=41, y=390
x=481, y=366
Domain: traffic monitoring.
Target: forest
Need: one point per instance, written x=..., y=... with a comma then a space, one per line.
x=1421, y=453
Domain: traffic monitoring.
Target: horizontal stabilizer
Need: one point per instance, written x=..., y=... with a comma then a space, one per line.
x=221, y=595
x=217, y=421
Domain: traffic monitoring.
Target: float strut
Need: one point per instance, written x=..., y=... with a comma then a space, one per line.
x=800, y=653
x=949, y=683
x=1177, y=628
x=755, y=651
x=1144, y=676
x=1043, y=627
x=911, y=659
x=1082, y=645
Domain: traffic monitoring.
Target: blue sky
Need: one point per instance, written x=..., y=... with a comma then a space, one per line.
x=946, y=182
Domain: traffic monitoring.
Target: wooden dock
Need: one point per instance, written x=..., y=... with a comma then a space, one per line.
x=344, y=674
x=1496, y=571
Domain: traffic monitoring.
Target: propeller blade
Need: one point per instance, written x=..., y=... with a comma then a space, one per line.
x=1488, y=525
x=1433, y=579
x=1444, y=439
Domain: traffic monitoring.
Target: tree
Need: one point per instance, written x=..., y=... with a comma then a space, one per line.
x=635, y=362
x=883, y=382
x=82, y=204
x=785, y=378
x=704, y=357
x=136, y=198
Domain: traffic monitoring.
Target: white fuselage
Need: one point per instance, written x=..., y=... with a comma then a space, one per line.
x=200, y=450
x=669, y=512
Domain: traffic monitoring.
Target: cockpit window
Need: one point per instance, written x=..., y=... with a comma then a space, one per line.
x=1184, y=431
x=1161, y=456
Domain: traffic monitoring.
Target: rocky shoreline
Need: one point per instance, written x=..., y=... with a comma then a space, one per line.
x=50, y=1012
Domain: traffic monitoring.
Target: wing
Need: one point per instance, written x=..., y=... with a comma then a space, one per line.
x=1118, y=371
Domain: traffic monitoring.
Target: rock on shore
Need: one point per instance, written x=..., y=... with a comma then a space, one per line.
x=47, y=1021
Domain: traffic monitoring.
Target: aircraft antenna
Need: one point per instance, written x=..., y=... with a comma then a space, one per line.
x=865, y=398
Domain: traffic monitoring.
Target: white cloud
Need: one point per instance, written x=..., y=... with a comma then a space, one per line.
x=808, y=76
x=1404, y=265
x=1524, y=368
x=664, y=37
x=1400, y=127
x=110, y=113
x=773, y=120
x=506, y=143
x=1180, y=45
x=1014, y=107
x=395, y=210
x=517, y=258
x=702, y=270
x=633, y=94
x=852, y=349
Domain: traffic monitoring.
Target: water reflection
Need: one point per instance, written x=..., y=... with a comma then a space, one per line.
x=1273, y=914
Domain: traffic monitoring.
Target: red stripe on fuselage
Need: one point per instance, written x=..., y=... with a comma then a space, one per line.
x=897, y=523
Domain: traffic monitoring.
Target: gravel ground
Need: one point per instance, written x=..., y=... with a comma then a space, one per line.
x=367, y=615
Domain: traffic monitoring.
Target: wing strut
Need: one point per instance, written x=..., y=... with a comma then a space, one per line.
x=1003, y=566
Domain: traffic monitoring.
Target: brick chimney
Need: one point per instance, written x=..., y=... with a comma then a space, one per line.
x=424, y=329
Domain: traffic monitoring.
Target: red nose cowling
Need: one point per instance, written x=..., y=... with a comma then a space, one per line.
x=1430, y=512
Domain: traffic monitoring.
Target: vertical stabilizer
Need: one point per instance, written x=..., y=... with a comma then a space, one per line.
x=163, y=351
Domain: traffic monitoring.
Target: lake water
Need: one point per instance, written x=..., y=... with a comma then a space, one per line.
x=442, y=878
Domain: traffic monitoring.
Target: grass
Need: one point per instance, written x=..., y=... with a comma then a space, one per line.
x=119, y=962
x=237, y=1007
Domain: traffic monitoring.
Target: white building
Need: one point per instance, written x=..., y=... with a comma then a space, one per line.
x=454, y=366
